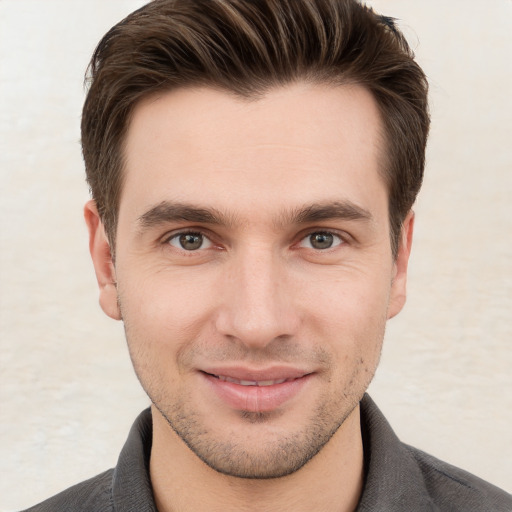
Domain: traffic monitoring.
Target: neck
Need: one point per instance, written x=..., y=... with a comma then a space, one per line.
x=331, y=481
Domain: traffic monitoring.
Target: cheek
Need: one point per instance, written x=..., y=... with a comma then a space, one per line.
x=166, y=300
x=357, y=299
x=159, y=319
x=350, y=315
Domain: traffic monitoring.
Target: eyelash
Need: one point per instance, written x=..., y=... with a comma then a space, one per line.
x=341, y=237
x=190, y=232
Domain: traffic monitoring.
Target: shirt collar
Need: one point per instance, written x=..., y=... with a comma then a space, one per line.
x=131, y=485
x=393, y=480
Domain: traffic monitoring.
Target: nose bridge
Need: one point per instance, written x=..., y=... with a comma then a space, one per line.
x=257, y=307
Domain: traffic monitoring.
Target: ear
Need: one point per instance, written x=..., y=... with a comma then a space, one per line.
x=399, y=284
x=99, y=248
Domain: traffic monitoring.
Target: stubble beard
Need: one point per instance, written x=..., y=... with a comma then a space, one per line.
x=279, y=454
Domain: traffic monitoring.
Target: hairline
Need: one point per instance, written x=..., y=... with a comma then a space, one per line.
x=258, y=93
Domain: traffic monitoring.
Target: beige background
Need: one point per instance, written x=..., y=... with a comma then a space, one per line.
x=68, y=393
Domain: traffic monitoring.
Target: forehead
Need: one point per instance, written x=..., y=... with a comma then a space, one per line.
x=296, y=144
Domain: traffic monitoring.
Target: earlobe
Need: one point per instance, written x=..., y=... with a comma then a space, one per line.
x=101, y=255
x=399, y=284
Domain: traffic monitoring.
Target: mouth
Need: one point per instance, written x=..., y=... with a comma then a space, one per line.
x=256, y=391
x=241, y=382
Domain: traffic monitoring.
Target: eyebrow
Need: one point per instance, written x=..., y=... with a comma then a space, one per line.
x=344, y=210
x=168, y=212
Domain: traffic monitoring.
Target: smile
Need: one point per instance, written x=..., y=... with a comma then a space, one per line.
x=251, y=382
x=255, y=391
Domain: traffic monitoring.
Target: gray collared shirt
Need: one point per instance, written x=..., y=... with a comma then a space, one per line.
x=398, y=478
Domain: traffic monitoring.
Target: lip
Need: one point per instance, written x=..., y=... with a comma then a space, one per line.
x=256, y=390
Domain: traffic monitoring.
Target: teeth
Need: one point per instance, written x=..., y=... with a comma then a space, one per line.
x=251, y=382
x=270, y=382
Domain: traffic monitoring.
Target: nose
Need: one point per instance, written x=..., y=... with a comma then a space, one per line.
x=257, y=304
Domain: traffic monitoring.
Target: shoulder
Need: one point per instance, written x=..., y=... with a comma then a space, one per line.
x=93, y=494
x=402, y=478
x=452, y=488
x=125, y=487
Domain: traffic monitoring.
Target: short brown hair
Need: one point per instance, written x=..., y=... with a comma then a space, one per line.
x=247, y=47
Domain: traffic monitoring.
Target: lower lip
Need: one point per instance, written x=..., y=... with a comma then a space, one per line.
x=256, y=398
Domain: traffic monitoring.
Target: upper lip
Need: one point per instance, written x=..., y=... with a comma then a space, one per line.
x=258, y=374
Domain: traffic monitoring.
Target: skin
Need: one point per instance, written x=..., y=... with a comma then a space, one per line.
x=262, y=188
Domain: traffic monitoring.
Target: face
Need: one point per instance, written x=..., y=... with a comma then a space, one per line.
x=253, y=268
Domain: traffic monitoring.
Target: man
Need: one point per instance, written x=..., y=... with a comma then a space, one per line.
x=253, y=166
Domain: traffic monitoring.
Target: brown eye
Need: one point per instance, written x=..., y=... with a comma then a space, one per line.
x=321, y=240
x=190, y=241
